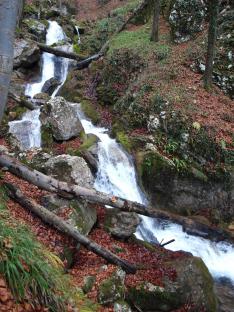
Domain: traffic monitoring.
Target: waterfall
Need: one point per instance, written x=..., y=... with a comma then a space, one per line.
x=54, y=35
x=28, y=129
x=78, y=34
x=116, y=175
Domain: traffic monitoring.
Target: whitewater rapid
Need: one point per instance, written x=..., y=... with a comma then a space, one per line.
x=116, y=175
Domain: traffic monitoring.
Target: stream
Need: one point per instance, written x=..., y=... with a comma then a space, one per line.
x=116, y=173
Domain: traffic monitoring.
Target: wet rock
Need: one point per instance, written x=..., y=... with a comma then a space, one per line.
x=53, y=202
x=185, y=194
x=186, y=19
x=60, y=116
x=121, y=224
x=36, y=28
x=26, y=53
x=50, y=86
x=71, y=169
x=112, y=289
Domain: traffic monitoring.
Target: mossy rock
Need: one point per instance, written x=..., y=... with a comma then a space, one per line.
x=112, y=289
x=195, y=281
x=47, y=137
x=89, y=281
x=149, y=297
x=90, y=111
x=84, y=216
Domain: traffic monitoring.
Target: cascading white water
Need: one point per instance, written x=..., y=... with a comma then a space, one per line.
x=54, y=35
x=27, y=130
x=78, y=34
x=116, y=175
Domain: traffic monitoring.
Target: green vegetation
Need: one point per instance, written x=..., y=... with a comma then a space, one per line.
x=90, y=111
x=123, y=139
x=31, y=271
x=138, y=41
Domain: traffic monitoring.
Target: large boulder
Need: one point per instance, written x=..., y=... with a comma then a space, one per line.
x=26, y=53
x=71, y=169
x=186, y=19
x=193, y=281
x=60, y=116
x=83, y=215
x=50, y=86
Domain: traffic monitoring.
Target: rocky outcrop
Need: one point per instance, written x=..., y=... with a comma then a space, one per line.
x=26, y=53
x=59, y=115
x=121, y=224
x=71, y=169
x=112, y=289
x=186, y=19
x=38, y=29
x=50, y=86
x=186, y=193
x=193, y=281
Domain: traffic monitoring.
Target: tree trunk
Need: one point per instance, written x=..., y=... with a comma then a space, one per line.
x=213, y=16
x=60, y=53
x=65, y=227
x=155, y=26
x=21, y=100
x=9, y=15
x=70, y=191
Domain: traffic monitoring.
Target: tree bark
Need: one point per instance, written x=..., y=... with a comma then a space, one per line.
x=70, y=191
x=212, y=34
x=9, y=15
x=22, y=101
x=65, y=227
x=155, y=26
x=60, y=53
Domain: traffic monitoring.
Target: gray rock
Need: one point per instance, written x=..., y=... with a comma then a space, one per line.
x=122, y=306
x=122, y=224
x=186, y=19
x=60, y=116
x=71, y=169
x=50, y=86
x=193, y=280
x=36, y=28
x=112, y=289
x=83, y=216
x=26, y=53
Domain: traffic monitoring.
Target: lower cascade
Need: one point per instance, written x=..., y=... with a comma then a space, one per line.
x=116, y=172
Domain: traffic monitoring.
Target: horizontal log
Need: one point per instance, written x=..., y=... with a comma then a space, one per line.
x=66, y=190
x=60, y=53
x=65, y=227
x=22, y=101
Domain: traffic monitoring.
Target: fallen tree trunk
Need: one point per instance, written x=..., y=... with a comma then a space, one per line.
x=22, y=101
x=70, y=191
x=60, y=53
x=65, y=227
x=85, y=63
